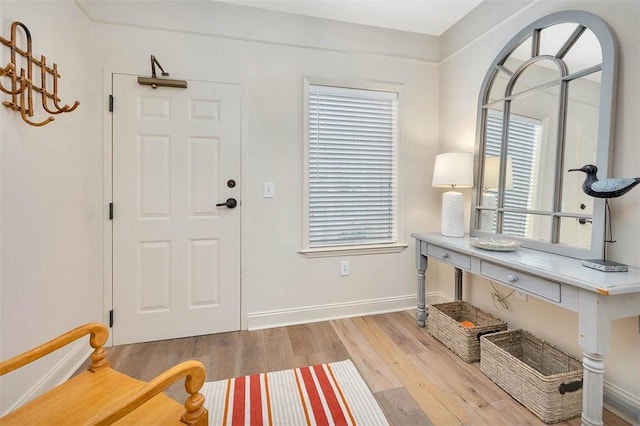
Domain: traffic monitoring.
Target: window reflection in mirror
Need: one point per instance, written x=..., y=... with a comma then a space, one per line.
x=544, y=71
x=491, y=176
x=555, y=83
x=581, y=140
x=582, y=54
x=532, y=143
x=531, y=226
x=553, y=38
x=499, y=86
x=575, y=231
x=519, y=55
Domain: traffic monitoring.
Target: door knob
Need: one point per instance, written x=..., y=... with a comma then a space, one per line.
x=231, y=203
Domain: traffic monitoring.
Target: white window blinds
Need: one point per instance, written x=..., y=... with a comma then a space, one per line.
x=351, y=166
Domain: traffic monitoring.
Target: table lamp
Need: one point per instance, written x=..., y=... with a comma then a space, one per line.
x=451, y=170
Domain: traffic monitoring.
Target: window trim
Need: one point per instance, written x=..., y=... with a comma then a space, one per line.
x=356, y=249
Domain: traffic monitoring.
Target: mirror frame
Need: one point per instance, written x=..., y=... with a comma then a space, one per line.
x=606, y=121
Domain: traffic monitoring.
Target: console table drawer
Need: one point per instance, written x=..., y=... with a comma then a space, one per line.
x=530, y=283
x=452, y=257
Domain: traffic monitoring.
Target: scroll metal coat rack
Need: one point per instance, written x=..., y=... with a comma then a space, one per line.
x=22, y=88
x=156, y=82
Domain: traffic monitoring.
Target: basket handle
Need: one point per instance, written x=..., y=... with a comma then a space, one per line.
x=570, y=387
x=482, y=333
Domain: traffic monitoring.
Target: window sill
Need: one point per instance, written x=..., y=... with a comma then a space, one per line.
x=313, y=253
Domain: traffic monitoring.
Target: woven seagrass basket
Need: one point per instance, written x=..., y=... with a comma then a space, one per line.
x=538, y=375
x=443, y=323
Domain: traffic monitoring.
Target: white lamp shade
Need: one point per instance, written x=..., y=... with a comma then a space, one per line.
x=453, y=169
x=492, y=173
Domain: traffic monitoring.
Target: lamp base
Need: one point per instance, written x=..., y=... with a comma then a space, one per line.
x=488, y=217
x=452, y=219
x=605, y=265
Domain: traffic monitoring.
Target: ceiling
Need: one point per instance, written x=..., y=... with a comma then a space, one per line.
x=420, y=16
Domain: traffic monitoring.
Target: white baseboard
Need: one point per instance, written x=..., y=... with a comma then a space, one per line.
x=439, y=298
x=309, y=314
x=622, y=403
x=58, y=374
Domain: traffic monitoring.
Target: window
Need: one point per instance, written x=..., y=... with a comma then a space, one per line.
x=351, y=191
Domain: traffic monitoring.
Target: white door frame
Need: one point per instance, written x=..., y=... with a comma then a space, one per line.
x=107, y=196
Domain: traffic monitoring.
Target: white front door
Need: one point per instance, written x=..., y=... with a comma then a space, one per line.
x=176, y=255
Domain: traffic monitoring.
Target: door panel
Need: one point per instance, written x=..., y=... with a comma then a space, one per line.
x=176, y=255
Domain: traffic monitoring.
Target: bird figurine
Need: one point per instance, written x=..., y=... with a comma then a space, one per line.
x=606, y=188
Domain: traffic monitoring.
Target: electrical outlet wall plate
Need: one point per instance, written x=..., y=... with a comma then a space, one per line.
x=269, y=190
x=344, y=268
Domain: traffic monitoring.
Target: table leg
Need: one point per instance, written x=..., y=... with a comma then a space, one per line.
x=592, y=388
x=421, y=265
x=458, y=293
x=421, y=312
x=594, y=335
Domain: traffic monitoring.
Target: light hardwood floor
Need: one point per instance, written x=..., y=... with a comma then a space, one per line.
x=416, y=380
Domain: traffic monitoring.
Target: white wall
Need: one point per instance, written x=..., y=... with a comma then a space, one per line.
x=279, y=284
x=51, y=198
x=461, y=75
x=55, y=187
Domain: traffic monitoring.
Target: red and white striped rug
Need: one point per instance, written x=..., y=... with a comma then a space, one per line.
x=327, y=394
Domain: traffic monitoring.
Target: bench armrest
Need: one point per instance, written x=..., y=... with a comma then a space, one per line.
x=99, y=335
x=195, y=415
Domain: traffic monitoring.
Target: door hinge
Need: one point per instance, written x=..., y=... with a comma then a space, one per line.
x=111, y=318
x=110, y=211
x=110, y=103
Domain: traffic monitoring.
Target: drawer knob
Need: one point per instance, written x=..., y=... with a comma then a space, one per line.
x=445, y=255
x=512, y=278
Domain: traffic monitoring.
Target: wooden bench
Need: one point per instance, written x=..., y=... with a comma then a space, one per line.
x=103, y=396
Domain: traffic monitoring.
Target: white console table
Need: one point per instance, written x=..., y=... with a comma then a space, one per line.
x=597, y=297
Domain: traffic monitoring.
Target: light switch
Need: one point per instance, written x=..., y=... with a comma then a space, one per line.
x=269, y=190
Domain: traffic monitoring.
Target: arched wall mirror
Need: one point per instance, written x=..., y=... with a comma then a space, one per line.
x=546, y=105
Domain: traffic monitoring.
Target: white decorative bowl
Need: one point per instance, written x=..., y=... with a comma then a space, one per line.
x=495, y=244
